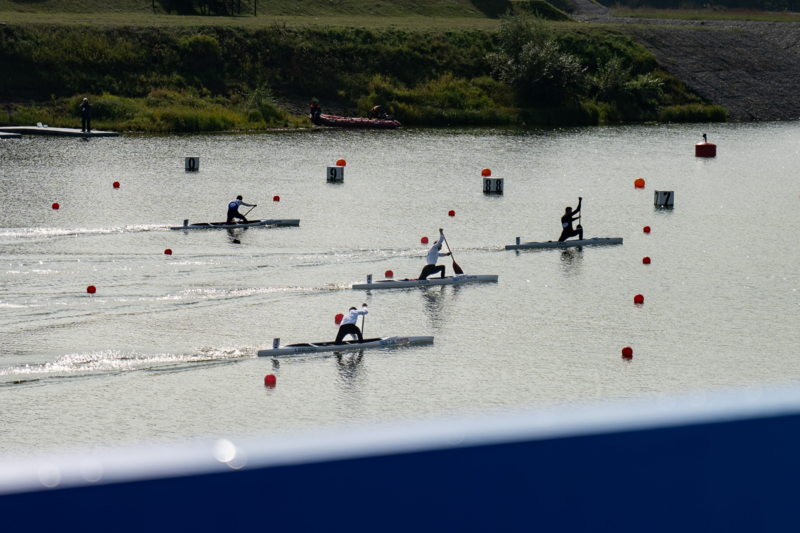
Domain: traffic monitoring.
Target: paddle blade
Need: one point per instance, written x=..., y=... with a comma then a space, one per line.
x=457, y=268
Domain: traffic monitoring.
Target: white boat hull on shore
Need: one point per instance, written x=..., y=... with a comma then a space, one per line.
x=405, y=283
x=250, y=224
x=597, y=241
x=320, y=347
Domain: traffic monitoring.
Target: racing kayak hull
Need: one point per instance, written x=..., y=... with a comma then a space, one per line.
x=566, y=244
x=405, y=283
x=249, y=224
x=321, y=347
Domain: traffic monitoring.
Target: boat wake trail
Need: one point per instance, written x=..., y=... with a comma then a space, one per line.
x=17, y=233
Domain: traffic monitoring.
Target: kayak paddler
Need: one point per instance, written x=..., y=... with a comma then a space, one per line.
x=233, y=210
x=566, y=223
x=349, y=327
x=433, y=256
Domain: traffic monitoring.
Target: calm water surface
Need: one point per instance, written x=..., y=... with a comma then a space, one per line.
x=165, y=350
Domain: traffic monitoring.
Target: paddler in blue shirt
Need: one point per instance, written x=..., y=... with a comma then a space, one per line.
x=566, y=223
x=233, y=210
x=433, y=256
x=349, y=327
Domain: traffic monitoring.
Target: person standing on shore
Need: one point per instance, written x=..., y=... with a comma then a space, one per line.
x=86, y=116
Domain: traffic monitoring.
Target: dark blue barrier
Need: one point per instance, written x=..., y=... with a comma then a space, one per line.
x=725, y=463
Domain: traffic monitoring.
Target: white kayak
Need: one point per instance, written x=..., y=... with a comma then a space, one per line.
x=348, y=346
x=566, y=244
x=248, y=224
x=403, y=283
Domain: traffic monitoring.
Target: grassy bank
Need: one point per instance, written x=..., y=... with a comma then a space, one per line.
x=223, y=78
x=706, y=14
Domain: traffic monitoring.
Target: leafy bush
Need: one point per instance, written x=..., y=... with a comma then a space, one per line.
x=694, y=113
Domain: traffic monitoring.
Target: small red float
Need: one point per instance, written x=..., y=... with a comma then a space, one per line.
x=451, y=213
x=705, y=150
x=168, y=251
x=646, y=260
x=341, y=163
x=270, y=380
x=389, y=274
x=627, y=352
x=638, y=299
x=486, y=172
x=276, y=198
x=647, y=229
x=639, y=183
x=91, y=289
x=56, y=206
x=338, y=318
x=424, y=240
x=116, y=185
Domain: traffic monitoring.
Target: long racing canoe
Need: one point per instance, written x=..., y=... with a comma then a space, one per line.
x=566, y=244
x=404, y=283
x=248, y=224
x=349, y=346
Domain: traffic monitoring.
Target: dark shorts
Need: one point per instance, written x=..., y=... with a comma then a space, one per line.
x=234, y=213
x=431, y=269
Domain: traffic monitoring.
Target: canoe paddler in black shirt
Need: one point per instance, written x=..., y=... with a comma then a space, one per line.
x=233, y=210
x=566, y=223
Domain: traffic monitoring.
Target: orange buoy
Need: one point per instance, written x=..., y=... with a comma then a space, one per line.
x=647, y=229
x=646, y=260
x=639, y=183
x=168, y=251
x=638, y=299
x=276, y=198
x=341, y=163
x=115, y=185
x=424, y=240
x=270, y=380
x=627, y=352
x=451, y=213
x=388, y=274
x=705, y=150
x=91, y=289
x=56, y=206
x=486, y=172
x=338, y=318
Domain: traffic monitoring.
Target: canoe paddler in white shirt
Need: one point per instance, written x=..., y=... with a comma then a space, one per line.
x=349, y=327
x=433, y=256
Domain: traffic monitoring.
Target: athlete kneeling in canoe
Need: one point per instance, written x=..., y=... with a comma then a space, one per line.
x=566, y=223
x=233, y=210
x=349, y=327
x=433, y=256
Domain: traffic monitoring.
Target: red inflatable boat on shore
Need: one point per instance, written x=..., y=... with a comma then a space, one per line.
x=352, y=122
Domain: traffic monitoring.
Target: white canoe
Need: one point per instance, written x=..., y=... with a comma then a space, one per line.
x=403, y=283
x=566, y=244
x=249, y=224
x=349, y=346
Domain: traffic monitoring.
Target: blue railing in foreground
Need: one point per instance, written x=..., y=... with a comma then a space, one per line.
x=717, y=463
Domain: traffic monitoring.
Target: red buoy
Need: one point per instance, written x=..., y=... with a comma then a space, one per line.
x=338, y=318
x=647, y=229
x=116, y=185
x=168, y=251
x=270, y=380
x=639, y=183
x=424, y=240
x=56, y=206
x=341, y=163
x=627, y=352
x=638, y=299
x=91, y=289
x=276, y=198
x=389, y=274
x=646, y=260
x=486, y=172
x=451, y=213
x=705, y=150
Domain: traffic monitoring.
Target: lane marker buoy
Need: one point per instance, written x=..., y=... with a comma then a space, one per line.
x=486, y=172
x=424, y=240
x=91, y=289
x=338, y=318
x=168, y=251
x=638, y=299
x=627, y=352
x=451, y=213
x=116, y=185
x=647, y=229
x=341, y=163
x=270, y=380
x=56, y=206
x=276, y=198
x=646, y=260
x=388, y=274
x=639, y=183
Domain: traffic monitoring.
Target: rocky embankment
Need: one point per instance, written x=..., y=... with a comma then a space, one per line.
x=750, y=68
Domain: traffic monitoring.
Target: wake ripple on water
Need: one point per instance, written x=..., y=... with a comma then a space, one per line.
x=17, y=233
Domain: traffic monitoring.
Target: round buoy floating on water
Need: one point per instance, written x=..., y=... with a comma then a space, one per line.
x=639, y=183
x=56, y=206
x=486, y=172
x=338, y=318
x=638, y=299
x=270, y=380
x=451, y=213
x=388, y=274
x=341, y=163
x=647, y=229
x=646, y=260
x=115, y=185
x=705, y=150
x=91, y=289
x=424, y=240
x=168, y=251
x=276, y=198
x=627, y=352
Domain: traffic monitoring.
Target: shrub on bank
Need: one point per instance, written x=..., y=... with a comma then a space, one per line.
x=693, y=113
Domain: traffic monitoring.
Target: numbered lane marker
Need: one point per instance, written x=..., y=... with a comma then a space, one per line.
x=192, y=164
x=335, y=174
x=664, y=198
x=493, y=185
